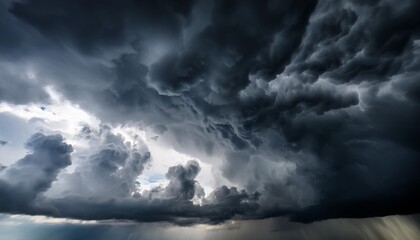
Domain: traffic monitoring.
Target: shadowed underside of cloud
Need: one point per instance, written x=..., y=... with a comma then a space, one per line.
x=312, y=105
x=104, y=186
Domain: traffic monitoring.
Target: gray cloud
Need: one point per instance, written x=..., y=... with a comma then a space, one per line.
x=21, y=182
x=110, y=172
x=312, y=104
x=13, y=80
x=104, y=187
x=182, y=182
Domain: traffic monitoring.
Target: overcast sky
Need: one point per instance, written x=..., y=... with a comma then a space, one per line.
x=199, y=115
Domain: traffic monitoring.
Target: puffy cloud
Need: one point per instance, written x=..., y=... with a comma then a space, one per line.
x=21, y=182
x=104, y=187
x=107, y=172
x=182, y=182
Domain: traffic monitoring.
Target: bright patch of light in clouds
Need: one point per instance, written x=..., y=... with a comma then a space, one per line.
x=59, y=115
x=66, y=118
x=163, y=157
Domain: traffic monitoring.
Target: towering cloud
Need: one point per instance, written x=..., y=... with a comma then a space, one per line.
x=311, y=107
x=24, y=180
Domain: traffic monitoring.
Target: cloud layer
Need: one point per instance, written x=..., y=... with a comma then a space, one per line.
x=311, y=107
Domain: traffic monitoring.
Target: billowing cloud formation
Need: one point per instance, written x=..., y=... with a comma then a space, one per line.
x=21, y=182
x=313, y=105
x=182, y=183
x=108, y=172
x=104, y=186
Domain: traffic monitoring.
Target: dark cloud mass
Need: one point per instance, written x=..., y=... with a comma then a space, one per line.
x=21, y=182
x=106, y=180
x=311, y=106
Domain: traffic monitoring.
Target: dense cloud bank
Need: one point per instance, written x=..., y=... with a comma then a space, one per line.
x=311, y=105
x=104, y=187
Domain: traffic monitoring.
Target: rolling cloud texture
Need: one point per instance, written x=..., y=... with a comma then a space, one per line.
x=312, y=106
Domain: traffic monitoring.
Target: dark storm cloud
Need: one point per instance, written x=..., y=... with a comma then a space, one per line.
x=182, y=182
x=13, y=81
x=312, y=104
x=112, y=24
x=242, y=38
x=103, y=187
x=21, y=182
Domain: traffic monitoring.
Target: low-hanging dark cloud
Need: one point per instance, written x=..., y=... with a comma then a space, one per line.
x=21, y=182
x=311, y=105
x=33, y=186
